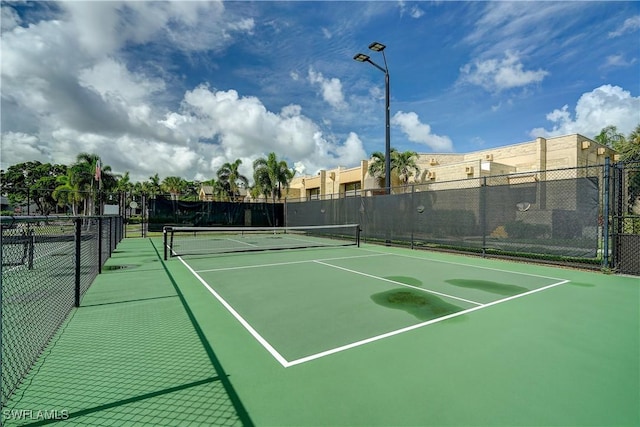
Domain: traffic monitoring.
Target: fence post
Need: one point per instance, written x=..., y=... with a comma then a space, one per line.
x=142, y=209
x=31, y=245
x=413, y=215
x=78, y=242
x=483, y=214
x=605, y=213
x=99, y=245
x=111, y=235
x=2, y=402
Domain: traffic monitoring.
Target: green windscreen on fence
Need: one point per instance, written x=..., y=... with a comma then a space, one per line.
x=554, y=217
x=166, y=211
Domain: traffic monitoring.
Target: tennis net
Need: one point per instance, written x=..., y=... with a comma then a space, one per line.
x=180, y=241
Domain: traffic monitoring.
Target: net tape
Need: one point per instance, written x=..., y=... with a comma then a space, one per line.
x=212, y=240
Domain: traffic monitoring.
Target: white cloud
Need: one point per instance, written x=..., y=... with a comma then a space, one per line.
x=501, y=26
x=19, y=145
x=414, y=11
x=10, y=18
x=67, y=88
x=106, y=27
x=243, y=128
x=331, y=89
x=495, y=75
x=617, y=61
x=419, y=132
x=604, y=106
x=628, y=26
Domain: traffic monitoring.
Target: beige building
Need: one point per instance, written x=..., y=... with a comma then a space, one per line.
x=541, y=154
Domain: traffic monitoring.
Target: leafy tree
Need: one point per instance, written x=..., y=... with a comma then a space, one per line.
x=31, y=182
x=231, y=179
x=271, y=176
x=610, y=137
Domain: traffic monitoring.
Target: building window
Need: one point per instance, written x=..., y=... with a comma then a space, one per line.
x=352, y=189
x=313, y=193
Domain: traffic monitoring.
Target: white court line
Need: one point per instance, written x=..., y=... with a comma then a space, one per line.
x=275, y=264
x=412, y=327
x=240, y=319
x=240, y=241
x=398, y=283
x=461, y=264
x=285, y=363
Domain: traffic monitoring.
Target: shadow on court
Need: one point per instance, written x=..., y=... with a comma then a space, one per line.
x=132, y=353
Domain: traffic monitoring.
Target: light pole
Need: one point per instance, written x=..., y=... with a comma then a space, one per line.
x=361, y=57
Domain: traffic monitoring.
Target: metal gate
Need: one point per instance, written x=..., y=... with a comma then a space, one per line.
x=624, y=206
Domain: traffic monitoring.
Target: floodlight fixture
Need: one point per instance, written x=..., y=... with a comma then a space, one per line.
x=378, y=47
x=361, y=57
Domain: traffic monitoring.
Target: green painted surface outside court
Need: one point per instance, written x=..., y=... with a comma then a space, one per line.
x=151, y=344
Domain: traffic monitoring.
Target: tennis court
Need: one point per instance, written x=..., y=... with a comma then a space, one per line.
x=342, y=335
x=308, y=304
x=375, y=335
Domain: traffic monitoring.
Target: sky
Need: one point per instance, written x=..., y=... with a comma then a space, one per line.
x=180, y=88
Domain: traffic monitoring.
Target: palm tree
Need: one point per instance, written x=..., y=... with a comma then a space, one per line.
x=153, y=186
x=404, y=164
x=173, y=185
x=271, y=176
x=85, y=176
x=230, y=177
x=68, y=192
x=377, y=166
x=631, y=149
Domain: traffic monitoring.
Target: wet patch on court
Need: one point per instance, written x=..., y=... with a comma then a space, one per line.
x=489, y=286
x=422, y=305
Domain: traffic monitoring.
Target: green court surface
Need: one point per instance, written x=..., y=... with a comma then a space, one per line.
x=341, y=336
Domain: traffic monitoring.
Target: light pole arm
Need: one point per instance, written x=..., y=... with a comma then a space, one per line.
x=384, y=70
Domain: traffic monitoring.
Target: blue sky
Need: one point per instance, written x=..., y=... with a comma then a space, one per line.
x=180, y=88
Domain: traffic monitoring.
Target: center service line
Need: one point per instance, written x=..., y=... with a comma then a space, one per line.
x=399, y=283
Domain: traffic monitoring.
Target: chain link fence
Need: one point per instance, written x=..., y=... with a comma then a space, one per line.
x=167, y=211
x=624, y=216
x=553, y=215
x=48, y=263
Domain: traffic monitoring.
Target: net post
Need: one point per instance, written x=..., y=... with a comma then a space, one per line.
x=78, y=244
x=358, y=230
x=164, y=241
